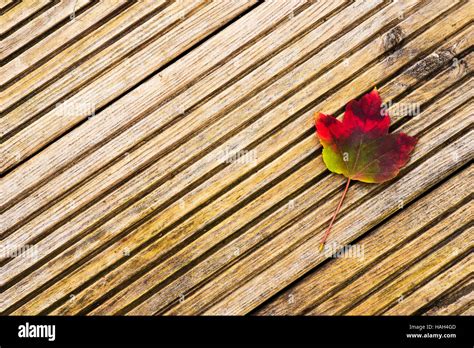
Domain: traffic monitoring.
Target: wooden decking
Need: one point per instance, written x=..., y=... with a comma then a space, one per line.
x=159, y=157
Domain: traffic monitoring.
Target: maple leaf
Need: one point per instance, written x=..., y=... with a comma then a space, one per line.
x=360, y=147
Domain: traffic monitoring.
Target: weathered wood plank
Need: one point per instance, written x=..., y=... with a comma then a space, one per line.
x=333, y=275
x=77, y=52
x=292, y=265
x=19, y=13
x=160, y=272
x=223, y=229
x=61, y=11
x=137, y=210
x=256, y=207
x=65, y=180
x=198, y=91
x=131, y=106
x=393, y=264
x=435, y=287
x=76, y=196
x=431, y=264
x=456, y=302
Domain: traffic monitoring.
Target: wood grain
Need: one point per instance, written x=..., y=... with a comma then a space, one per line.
x=50, y=125
x=60, y=12
x=435, y=287
x=19, y=13
x=233, y=303
x=336, y=273
x=118, y=119
x=68, y=63
x=153, y=200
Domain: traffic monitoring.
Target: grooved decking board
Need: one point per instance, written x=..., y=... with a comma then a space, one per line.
x=459, y=272
x=396, y=263
x=116, y=118
x=23, y=11
x=45, y=89
x=454, y=302
x=338, y=273
x=237, y=220
x=40, y=26
x=183, y=36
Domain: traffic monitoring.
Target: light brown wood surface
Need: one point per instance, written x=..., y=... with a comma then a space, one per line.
x=116, y=117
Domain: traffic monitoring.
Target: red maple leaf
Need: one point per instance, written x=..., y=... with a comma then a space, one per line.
x=360, y=147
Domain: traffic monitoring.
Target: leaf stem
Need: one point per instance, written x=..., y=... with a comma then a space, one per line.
x=323, y=241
